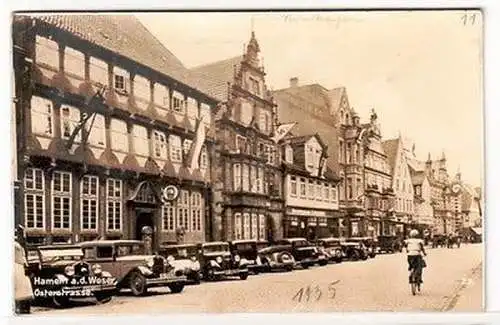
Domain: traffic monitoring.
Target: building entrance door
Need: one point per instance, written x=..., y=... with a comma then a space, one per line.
x=144, y=218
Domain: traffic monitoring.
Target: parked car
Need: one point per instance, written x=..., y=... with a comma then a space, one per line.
x=331, y=247
x=368, y=242
x=183, y=256
x=22, y=285
x=217, y=262
x=354, y=251
x=276, y=257
x=134, y=270
x=59, y=273
x=304, y=253
x=389, y=244
x=247, y=249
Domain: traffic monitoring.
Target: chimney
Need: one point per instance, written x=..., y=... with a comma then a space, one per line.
x=294, y=82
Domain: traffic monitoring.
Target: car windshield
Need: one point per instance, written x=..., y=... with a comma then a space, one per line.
x=125, y=250
x=215, y=248
x=331, y=243
x=181, y=252
x=301, y=243
x=262, y=245
x=67, y=254
x=244, y=247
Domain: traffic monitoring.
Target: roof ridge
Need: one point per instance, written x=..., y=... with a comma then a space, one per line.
x=215, y=62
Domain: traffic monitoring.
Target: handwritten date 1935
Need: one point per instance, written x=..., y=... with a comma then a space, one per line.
x=316, y=292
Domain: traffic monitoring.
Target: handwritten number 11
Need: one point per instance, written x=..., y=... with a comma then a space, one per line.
x=469, y=19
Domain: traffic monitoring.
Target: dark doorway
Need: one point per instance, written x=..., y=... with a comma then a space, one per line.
x=143, y=219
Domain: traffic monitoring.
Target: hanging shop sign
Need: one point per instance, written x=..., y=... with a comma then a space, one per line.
x=169, y=193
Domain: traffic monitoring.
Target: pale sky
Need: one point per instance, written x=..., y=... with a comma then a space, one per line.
x=421, y=71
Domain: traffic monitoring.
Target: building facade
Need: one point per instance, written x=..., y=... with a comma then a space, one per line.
x=107, y=120
x=327, y=112
x=310, y=189
x=402, y=184
x=436, y=173
x=247, y=176
x=378, y=191
x=423, y=210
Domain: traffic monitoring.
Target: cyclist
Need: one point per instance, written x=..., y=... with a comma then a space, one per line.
x=415, y=249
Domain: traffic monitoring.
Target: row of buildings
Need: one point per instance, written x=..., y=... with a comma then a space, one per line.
x=113, y=133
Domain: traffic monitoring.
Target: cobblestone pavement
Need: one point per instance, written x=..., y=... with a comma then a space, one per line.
x=452, y=281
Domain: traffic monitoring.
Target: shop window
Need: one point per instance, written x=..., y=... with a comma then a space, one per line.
x=255, y=227
x=168, y=213
x=262, y=227
x=34, y=198
x=246, y=226
x=61, y=200
x=113, y=204
x=237, y=226
x=89, y=201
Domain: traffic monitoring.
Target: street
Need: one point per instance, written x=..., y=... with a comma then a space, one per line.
x=453, y=278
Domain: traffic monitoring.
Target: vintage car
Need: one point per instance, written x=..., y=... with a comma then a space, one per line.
x=23, y=289
x=217, y=262
x=368, y=242
x=183, y=256
x=247, y=250
x=59, y=273
x=354, y=251
x=133, y=268
x=389, y=244
x=304, y=253
x=331, y=247
x=276, y=257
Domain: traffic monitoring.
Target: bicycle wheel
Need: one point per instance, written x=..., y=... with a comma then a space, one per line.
x=413, y=282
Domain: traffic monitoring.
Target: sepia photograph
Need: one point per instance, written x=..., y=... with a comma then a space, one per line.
x=247, y=162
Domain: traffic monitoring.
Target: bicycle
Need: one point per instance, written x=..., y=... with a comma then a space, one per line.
x=416, y=279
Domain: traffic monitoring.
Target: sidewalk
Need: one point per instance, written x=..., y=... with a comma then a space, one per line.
x=471, y=298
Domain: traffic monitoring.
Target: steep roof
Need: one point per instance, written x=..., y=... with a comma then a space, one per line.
x=124, y=35
x=215, y=77
x=391, y=150
x=417, y=177
x=335, y=95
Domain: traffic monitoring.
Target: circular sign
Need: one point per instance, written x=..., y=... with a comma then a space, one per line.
x=456, y=188
x=170, y=193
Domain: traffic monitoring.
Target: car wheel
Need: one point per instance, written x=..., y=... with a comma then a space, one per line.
x=338, y=260
x=176, y=288
x=243, y=276
x=60, y=302
x=323, y=263
x=305, y=265
x=103, y=298
x=208, y=275
x=23, y=307
x=137, y=283
x=289, y=268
